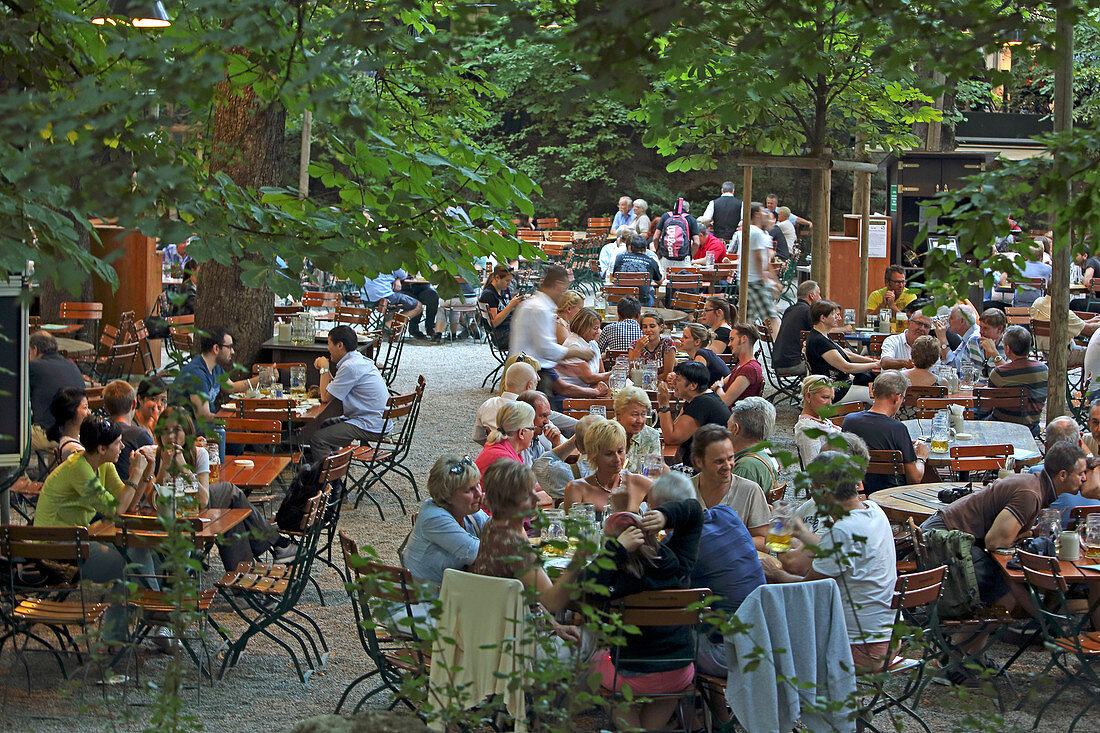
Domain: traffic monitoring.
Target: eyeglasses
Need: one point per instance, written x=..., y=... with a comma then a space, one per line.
x=460, y=467
x=897, y=282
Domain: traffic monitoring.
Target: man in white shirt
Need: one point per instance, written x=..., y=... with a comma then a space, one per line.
x=534, y=332
x=359, y=387
x=762, y=280
x=897, y=349
x=624, y=216
x=609, y=252
x=857, y=551
x=723, y=213
x=783, y=221
x=519, y=378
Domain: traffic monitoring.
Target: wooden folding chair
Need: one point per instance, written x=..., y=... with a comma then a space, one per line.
x=88, y=314
x=545, y=224
x=847, y=409
x=985, y=458
x=615, y=293
x=886, y=463
x=927, y=407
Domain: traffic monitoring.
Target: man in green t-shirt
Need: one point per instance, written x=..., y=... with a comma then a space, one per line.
x=752, y=420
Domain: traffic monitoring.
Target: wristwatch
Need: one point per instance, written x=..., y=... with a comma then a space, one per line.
x=666, y=408
x=323, y=371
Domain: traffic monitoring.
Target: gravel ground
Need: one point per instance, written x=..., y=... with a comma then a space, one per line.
x=263, y=694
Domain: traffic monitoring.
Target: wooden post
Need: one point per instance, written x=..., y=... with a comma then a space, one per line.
x=1059, y=280
x=819, y=265
x=864, y=245
x=303, y=157
x=746, y=222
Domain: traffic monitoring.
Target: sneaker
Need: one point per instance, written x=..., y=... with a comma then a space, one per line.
x=435, y=338
x=418, y=335
x=163, y=639
x=284, y=555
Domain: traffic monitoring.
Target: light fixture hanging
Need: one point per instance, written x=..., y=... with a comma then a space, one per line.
x=140, y=14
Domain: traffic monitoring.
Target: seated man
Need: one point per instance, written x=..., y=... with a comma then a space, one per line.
x=983, y=349
x=716, y=482
x=897, y=350
x=1066, y=429
x=202, y=379
x=1040, y=311
x=47, y=373
x=1020, y=371
x=635, y=259
x=894, y=297
x=548, y=446
x=387, y=287
x=752, y=420
x=996, y=515
x=712, y=245
x=519, y=376
x=120, y=402
x=881, y=431
x=359, y=387
x=857, y=551
x=620, y=335
x=787, y=356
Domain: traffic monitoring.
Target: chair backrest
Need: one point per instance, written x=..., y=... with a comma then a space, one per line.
x=335, y=466
x=886, y=463
x=286, y=312
x=1080, y=512
x=927, y=407
x=95, y=397
x=918, y=589
x=547, y=223
x=77, y=311
x=631, y=279
x=1019, y=315
x=847, y=409
x=874, y=346
x=395, y=346
x=62, y=544
x=319, y=299
x=353, y=316
x=913, y=394
x=615, y=293
x=559, y=236
x=600, y=222
x=1045, y=580
x=1004, y=398
x=253, y=431
x=529, y=235
x=663, y=607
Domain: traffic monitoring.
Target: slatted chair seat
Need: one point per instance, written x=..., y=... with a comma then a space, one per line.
x=69, y=613
x=257, y=577
x=369, y=453
x=1088, y=641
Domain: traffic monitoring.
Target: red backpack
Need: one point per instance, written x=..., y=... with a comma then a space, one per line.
x=676, y=237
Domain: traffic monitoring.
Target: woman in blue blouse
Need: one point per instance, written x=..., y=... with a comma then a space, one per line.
x=449, y=524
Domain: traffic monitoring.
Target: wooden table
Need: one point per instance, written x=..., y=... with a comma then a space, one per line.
x=1069, y=570
x=669, y=315
x=73, y=346
x=912, y=500
x=985, y=432
x=260, y=475
x=312, y=413
x=214, y=522
x=60, y=329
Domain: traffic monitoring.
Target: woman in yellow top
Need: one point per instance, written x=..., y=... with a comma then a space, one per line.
x=86, y=485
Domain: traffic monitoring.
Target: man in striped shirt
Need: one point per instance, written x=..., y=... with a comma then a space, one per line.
x=1020, y=371
x=984, y=349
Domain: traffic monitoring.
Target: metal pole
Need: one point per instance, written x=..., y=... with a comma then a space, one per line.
x=746, y=219
x=864, y=246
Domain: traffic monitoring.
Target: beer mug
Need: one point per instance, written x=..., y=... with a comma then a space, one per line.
x=778, y=539
x=1090, y=536
x=598, y=411
x=298, y=380
x=942, y=432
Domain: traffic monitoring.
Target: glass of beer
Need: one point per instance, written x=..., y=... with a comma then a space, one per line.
x=778, y=539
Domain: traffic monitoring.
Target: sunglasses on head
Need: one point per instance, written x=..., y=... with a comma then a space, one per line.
x=461, y=465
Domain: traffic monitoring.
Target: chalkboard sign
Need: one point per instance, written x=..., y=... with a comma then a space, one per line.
x=14, y=392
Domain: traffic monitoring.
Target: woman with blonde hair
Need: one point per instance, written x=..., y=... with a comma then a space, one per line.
x=584, y=329
x=631, y=410
x=610, y=484
x=513, y=434
x=653, y=346
x=570, y=304
x=817, y=392
x=448, y=527
x=694, y=341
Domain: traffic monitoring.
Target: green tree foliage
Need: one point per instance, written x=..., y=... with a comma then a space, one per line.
x=80, y=137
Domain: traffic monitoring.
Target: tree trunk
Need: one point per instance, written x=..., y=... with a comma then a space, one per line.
x=820, y=187
x=247, y=144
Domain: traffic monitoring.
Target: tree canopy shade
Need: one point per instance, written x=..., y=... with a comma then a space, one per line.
x=80, y=137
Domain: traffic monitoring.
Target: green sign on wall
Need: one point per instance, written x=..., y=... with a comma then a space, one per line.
x=893, y=198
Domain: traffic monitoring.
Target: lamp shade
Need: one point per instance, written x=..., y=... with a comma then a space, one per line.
x=140, y=14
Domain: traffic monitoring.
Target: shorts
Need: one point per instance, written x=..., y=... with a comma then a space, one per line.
x=647, y=683
x=403, y=300
x=761, y=302
x=872, y=656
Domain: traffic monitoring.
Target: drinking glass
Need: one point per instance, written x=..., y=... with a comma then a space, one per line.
x=553, y=530
x=265, y=380
x=966, y=376
x=1090, y=537
x=652, y=464
x=942, y=432
x=849, y=316
x=598, y=411
x=298, y=380
x=778, y=539
x=1049, y=524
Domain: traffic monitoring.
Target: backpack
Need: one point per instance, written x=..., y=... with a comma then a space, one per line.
x=303, y=488
x=959, y=596
x=676, y=237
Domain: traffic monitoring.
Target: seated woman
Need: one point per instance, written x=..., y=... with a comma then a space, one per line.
x=570, y=305
x=850, y=371
x=497, y=296
x=652, y=662
x=716, y=317
x=505, y=551
x=513, y=434
x=652, y=346
x=69, y=408
x=691, y=383
x=694, y=341
x=631, y=410
x=817, y=391
x=179, y=454
x=925, y=353
x=87, y=485
x=584, y=329
x=447, y=530
x=610, y=485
